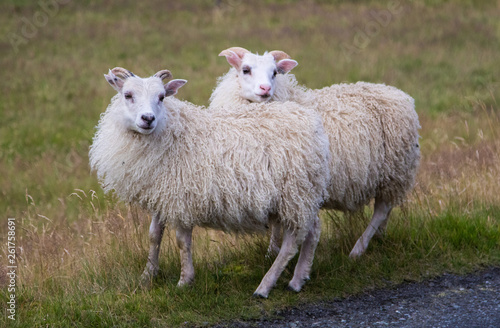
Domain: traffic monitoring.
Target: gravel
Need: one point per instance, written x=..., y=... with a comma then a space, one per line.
x=448, y=301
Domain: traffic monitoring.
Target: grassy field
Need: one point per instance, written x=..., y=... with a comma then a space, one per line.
x=80, y=252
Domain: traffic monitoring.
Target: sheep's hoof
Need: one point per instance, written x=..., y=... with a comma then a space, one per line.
x=185, y=284
x=259, y=295
x=354, y=255
x=146, y=280
x=295, y=286
x=357, y=251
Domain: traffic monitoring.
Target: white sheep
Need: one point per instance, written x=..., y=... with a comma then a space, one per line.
x=373, y=132
x=233, y=170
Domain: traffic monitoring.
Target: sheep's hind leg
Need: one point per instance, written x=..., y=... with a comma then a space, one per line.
x=184, y=240
x=306, y=257
x=287, y=252
x=379, y=220
x=155, y=235
x=274, y=247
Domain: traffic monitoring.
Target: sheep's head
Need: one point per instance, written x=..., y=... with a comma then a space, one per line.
x=257, y=74
x=142, y=97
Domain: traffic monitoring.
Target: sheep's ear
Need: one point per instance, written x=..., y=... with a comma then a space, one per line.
x=286, y=65
x=172, y=87
x=114, y=81
x=232, y=58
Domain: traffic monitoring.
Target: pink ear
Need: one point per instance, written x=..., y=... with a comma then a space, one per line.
x=172, y=87
x=233, y=59
x=286, y=65
x=114, y=81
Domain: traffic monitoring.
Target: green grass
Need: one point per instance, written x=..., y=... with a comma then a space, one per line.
x=80, y=252
x=102, y=288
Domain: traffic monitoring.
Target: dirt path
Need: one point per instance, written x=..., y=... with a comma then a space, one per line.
x=448, y=301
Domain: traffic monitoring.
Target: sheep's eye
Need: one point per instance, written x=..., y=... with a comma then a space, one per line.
x=274, y=73
x=128, y=96
x=246, y=70
x=161, y=97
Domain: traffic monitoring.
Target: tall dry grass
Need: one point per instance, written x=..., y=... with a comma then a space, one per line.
x=461, y=167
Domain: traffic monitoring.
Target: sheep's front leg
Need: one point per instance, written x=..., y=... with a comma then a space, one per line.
x=155, y=235
x=184, y=238
x=288, y=250
x=379, y=221
x=306, y=257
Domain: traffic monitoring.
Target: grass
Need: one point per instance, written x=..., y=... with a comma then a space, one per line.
x=80, y=252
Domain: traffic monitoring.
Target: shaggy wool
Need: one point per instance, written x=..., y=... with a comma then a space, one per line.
x=231, y=169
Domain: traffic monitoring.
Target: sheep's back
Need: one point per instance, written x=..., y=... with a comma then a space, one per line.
x=373, y=131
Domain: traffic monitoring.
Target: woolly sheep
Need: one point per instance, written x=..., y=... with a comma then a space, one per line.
x=373, y=132
x=233, y=170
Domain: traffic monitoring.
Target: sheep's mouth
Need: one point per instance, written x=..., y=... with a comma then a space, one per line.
x=265, y=96
x=145, y=129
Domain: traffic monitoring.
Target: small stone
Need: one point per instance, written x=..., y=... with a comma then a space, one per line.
x=382, y=323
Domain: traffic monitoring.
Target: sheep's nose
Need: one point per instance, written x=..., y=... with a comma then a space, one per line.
x=265, y=88
x=148, y=118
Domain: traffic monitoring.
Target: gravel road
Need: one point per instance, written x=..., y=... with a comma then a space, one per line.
x=448, y=301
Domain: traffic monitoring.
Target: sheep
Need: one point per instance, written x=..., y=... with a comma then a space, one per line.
x=234, y=170
x=373, y=132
